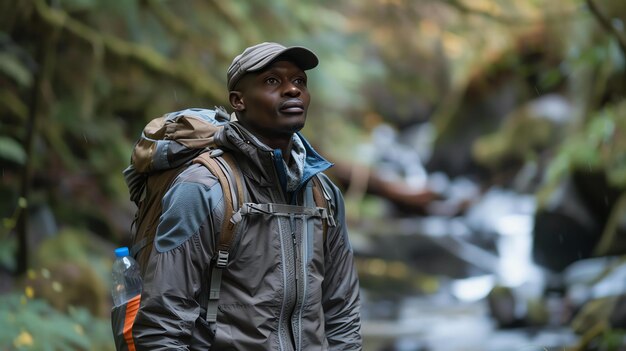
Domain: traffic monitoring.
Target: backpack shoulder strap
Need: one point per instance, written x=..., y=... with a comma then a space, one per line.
x=225, y=168
x=322, y=199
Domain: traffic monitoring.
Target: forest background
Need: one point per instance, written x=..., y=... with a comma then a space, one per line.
x=80, y=78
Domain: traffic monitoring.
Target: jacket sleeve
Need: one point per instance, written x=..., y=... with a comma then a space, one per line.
x=340, y=296
x=170, y=306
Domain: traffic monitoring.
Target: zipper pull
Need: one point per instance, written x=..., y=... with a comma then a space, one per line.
x=293, y=235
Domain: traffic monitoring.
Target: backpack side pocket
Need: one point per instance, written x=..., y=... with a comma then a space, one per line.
x=122, y=320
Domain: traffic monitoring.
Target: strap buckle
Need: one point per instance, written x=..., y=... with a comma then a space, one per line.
x=222, y=259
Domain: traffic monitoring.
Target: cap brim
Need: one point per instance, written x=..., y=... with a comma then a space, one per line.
x=302, y=57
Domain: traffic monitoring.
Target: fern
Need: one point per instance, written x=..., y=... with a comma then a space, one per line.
x=32, y=324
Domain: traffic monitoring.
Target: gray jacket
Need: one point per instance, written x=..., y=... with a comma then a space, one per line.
x=285, y=286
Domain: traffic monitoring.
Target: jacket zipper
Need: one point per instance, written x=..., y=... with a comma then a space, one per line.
x=288, y=316
x=301, y=287
x=298, y=264
x=295, y=330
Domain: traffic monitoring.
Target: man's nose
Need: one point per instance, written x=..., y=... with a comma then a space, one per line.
x=292, y=90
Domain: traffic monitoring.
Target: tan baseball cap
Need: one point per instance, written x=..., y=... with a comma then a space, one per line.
x=258, y=56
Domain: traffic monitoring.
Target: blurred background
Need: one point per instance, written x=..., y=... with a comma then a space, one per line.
x=480, y=145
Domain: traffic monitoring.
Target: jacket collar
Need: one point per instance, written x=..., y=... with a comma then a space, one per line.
x=262, y=162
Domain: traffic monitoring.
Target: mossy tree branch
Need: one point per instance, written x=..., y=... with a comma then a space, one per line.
x=606, y=24
x=183, y=72
x=181, y=31
x=223, y=10
x=504, y=19
x=467, y=10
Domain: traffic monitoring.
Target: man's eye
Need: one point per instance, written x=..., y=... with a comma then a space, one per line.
x=271, y=81
x=300, y=81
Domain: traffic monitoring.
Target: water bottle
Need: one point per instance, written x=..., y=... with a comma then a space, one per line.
x=126, y=277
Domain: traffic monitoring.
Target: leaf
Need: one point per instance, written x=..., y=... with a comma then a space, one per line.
x=7, y=253
x=78, y=5
x=13, y=68
x=11, y=150
x=31, y=324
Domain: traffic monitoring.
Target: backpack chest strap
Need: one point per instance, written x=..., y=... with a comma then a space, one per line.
x=280, y=210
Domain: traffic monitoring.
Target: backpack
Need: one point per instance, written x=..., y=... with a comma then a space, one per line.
x=167, y=146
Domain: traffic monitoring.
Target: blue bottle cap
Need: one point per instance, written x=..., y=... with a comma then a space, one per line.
x=122, y=252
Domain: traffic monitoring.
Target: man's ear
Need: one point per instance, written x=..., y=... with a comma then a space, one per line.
x=236, y=101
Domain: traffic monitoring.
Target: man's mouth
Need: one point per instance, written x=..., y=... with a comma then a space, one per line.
x=292, y=106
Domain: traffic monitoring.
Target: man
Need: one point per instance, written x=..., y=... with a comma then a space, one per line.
x=290, y=282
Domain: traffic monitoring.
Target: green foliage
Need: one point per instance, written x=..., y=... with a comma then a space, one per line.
x=7, y=253
x=11, y=150
x=71, y=245
x=12, y=67
x=517, y=140
x=79, y=5
x=34, y=325
x=612, y=340
x=598, y=146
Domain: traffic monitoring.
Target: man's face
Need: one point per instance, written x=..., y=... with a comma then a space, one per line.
x=274, y=102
